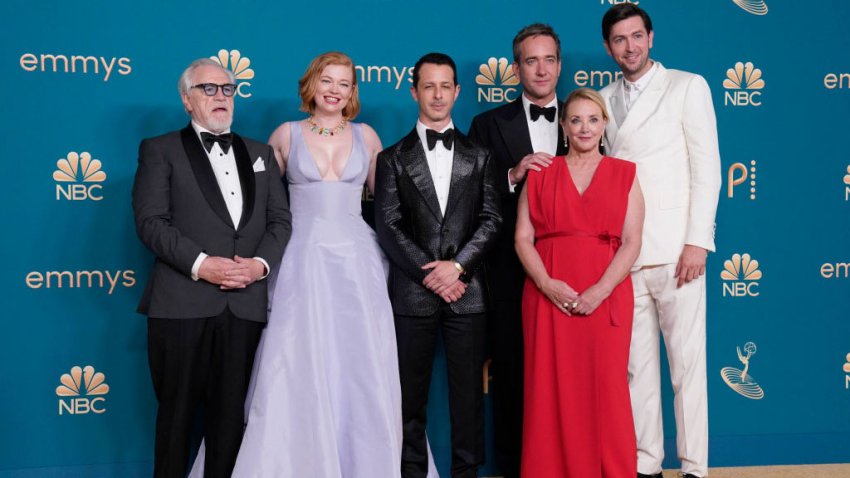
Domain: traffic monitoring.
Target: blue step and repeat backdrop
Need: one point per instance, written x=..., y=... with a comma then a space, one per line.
x=83, y=82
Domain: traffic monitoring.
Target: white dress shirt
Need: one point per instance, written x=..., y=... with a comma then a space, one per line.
x=543, y=133
x=440, y=162
x=227, y=176
x=632, y=90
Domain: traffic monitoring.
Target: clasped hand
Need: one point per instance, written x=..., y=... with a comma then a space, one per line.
x=444, y=280
x=570, y=302
x=236, y=273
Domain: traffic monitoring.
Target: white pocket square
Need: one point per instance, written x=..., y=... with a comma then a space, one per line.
x=259, y=165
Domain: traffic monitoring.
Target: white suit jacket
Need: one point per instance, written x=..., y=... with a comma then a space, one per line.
x=670, y=132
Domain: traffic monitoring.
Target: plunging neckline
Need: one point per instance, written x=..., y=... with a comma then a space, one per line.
x=581, y=194
x=316, y=165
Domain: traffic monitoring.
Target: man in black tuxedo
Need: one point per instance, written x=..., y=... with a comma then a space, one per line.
x=211, y=207
x=437, y=214
x=521, y=135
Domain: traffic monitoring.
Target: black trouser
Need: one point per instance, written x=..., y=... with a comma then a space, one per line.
x=463, y=338
x=194, y=362
x=506, y=368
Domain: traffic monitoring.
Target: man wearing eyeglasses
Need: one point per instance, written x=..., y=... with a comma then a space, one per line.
x=211, y=207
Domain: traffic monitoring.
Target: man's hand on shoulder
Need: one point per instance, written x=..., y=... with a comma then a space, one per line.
x=533, y=161
x=691, y=264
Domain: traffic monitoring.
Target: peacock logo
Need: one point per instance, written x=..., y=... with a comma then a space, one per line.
x=82, y=391
x=77, y=176
x=496, y=81
x=741, y=275
x=240, y=65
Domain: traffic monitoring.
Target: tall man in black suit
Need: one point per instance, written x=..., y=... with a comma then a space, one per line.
x=211, y=207
x=521, y=135
x=437, y=214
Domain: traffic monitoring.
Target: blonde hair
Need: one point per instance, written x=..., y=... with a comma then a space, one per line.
x=309, y=83
x=585, y=94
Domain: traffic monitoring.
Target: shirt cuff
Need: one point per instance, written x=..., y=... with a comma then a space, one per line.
x=511, y=187
x=266, y=265
x=196, y=267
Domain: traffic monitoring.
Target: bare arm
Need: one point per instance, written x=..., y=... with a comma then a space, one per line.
x=373, y=145
x=279, y=141
x=622, y=261
x=559, y=292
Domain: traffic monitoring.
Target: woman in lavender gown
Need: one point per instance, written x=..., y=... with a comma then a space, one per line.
x=325, y=398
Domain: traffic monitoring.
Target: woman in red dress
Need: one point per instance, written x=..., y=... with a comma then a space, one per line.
x=578, y=233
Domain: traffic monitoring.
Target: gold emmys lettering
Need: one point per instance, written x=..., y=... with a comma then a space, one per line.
x=81, y=279
x=384, y=74
x=739, y=380
x=48, y=62
x=596, y=78
x=839, y=81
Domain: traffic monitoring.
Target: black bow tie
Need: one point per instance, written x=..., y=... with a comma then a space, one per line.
x=447, y=137
x=549, y=112
x=224, y=141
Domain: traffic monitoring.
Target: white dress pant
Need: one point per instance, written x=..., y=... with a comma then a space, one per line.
x=679, y=313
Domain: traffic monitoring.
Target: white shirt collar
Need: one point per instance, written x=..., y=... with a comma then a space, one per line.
x=641, y=83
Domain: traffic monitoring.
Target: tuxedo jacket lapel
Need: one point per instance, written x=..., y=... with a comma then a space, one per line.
x=463, y=164
x=644, y=106
x=412, y=158
x=514, y=130
x=246, y=178
x=204, y=175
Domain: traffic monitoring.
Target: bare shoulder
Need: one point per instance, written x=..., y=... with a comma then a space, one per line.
x=280, y=135
x=370, y=137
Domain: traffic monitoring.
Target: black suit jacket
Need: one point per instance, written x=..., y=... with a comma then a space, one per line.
x=180, y=212
x=413, y=231
x=504, y=132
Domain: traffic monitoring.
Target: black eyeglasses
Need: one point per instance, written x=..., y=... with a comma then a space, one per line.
x=210, y=89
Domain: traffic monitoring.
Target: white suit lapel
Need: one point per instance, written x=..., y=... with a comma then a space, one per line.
x=644, y=106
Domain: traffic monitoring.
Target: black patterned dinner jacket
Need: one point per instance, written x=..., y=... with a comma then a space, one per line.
x=413, y=232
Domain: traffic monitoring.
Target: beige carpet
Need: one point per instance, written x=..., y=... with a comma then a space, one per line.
x=796, y=471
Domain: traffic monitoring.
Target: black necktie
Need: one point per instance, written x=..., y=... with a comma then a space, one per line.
x=446, y=136
x=224, y=141
x=549, y=112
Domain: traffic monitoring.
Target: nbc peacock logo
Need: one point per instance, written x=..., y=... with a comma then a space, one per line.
x=847, y=372
x=756, y=7
x=77, y=176
x=82, y=391
x=847, y=185
x=743, y=85
x=740, y=380
x=740, y=276
x=241, y=68
x=497, y=81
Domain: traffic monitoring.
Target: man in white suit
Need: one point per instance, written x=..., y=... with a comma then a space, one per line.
x=663, y=120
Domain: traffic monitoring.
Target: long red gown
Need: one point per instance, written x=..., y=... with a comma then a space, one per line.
x=578, y=416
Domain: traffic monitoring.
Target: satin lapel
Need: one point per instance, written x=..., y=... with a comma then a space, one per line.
x=246, y=178
x=204, y=175
x=463, y=164
x=644, y=107
x=560, y=149
x=412, y=159
x=514, y=130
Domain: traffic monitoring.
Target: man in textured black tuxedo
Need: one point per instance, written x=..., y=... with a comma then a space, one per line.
x=521, y=135
x=437, y=214
x=211, y=207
